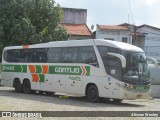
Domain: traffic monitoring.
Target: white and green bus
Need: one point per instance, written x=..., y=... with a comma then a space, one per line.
x=95, y=68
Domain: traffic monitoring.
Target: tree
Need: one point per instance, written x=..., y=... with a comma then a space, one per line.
x=29, y=22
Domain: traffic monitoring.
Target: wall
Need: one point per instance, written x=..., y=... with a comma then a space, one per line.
x=116, y=35
x=140, y=42
x=152, y=41
x=74, y=16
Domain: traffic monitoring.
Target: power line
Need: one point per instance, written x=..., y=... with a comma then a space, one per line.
x=130, y=7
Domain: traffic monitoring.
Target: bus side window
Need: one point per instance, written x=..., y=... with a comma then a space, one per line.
x=16, y=55
x=69, y=55
x=28, y=55
x=54, y=55
x=8, y=56
x=5, y=55
x=40, y=55
x=87, y=55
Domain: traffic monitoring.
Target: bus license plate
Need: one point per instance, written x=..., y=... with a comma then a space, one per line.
x=140, y=88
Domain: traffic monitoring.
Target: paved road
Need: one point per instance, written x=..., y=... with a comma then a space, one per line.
x=12, y=101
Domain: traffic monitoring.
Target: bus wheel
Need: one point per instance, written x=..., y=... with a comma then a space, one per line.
x=49, y=93
x=41, y=92
x=92, y=93
x=27, y=87
x=17, y=85
x=117, y=100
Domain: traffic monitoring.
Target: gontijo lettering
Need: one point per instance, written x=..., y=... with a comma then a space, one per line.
x=70, y=70
x=66, y=70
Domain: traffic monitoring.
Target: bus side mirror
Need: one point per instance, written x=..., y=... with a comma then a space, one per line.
x=151, y=61
x=122, y=58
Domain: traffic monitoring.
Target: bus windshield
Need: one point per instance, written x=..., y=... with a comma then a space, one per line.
x=136, y=70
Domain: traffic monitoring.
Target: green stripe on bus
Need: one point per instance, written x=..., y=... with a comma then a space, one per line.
x=41, y=78
x=38, y=69
x=24, y=68
x=88, y=70
x=63, y=70
x=11, y=68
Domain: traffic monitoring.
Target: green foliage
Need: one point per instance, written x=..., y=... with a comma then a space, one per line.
x=29, y=22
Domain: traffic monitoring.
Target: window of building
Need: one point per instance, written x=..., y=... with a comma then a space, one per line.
x=109, y=39
x=124, y=39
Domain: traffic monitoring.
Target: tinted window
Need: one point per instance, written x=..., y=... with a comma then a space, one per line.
x=54, y=55
x=113, y=50
x=112, y=64
x=87, y=55
x=69, y=55
x=17, y=55
x=25, y=55
x=102, y=51
x=8, y=55
x=39, y=55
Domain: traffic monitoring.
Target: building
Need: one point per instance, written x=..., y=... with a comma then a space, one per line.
x=152, y=40
x=137, y=37
x=147, y=37
x=78, y=31
x=75, y=23
x=113, y=32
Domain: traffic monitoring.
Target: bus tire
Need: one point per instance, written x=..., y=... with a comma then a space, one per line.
x=41, y=92
x=17, y=85
x=27, y=87
x=92, y=93
x=117, y=100
x=49, y=93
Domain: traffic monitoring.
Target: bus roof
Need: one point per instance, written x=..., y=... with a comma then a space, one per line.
x=88, y=42
x=117, y=44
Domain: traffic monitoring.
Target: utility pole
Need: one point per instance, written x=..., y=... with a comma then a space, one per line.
x=135, y=36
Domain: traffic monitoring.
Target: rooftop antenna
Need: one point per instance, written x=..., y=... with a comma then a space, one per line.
x=92, y=27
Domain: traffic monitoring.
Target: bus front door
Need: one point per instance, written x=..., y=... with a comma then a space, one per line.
x=107, y=86
x=114, y=75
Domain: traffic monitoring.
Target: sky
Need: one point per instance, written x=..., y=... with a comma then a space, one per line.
x=114, y=12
